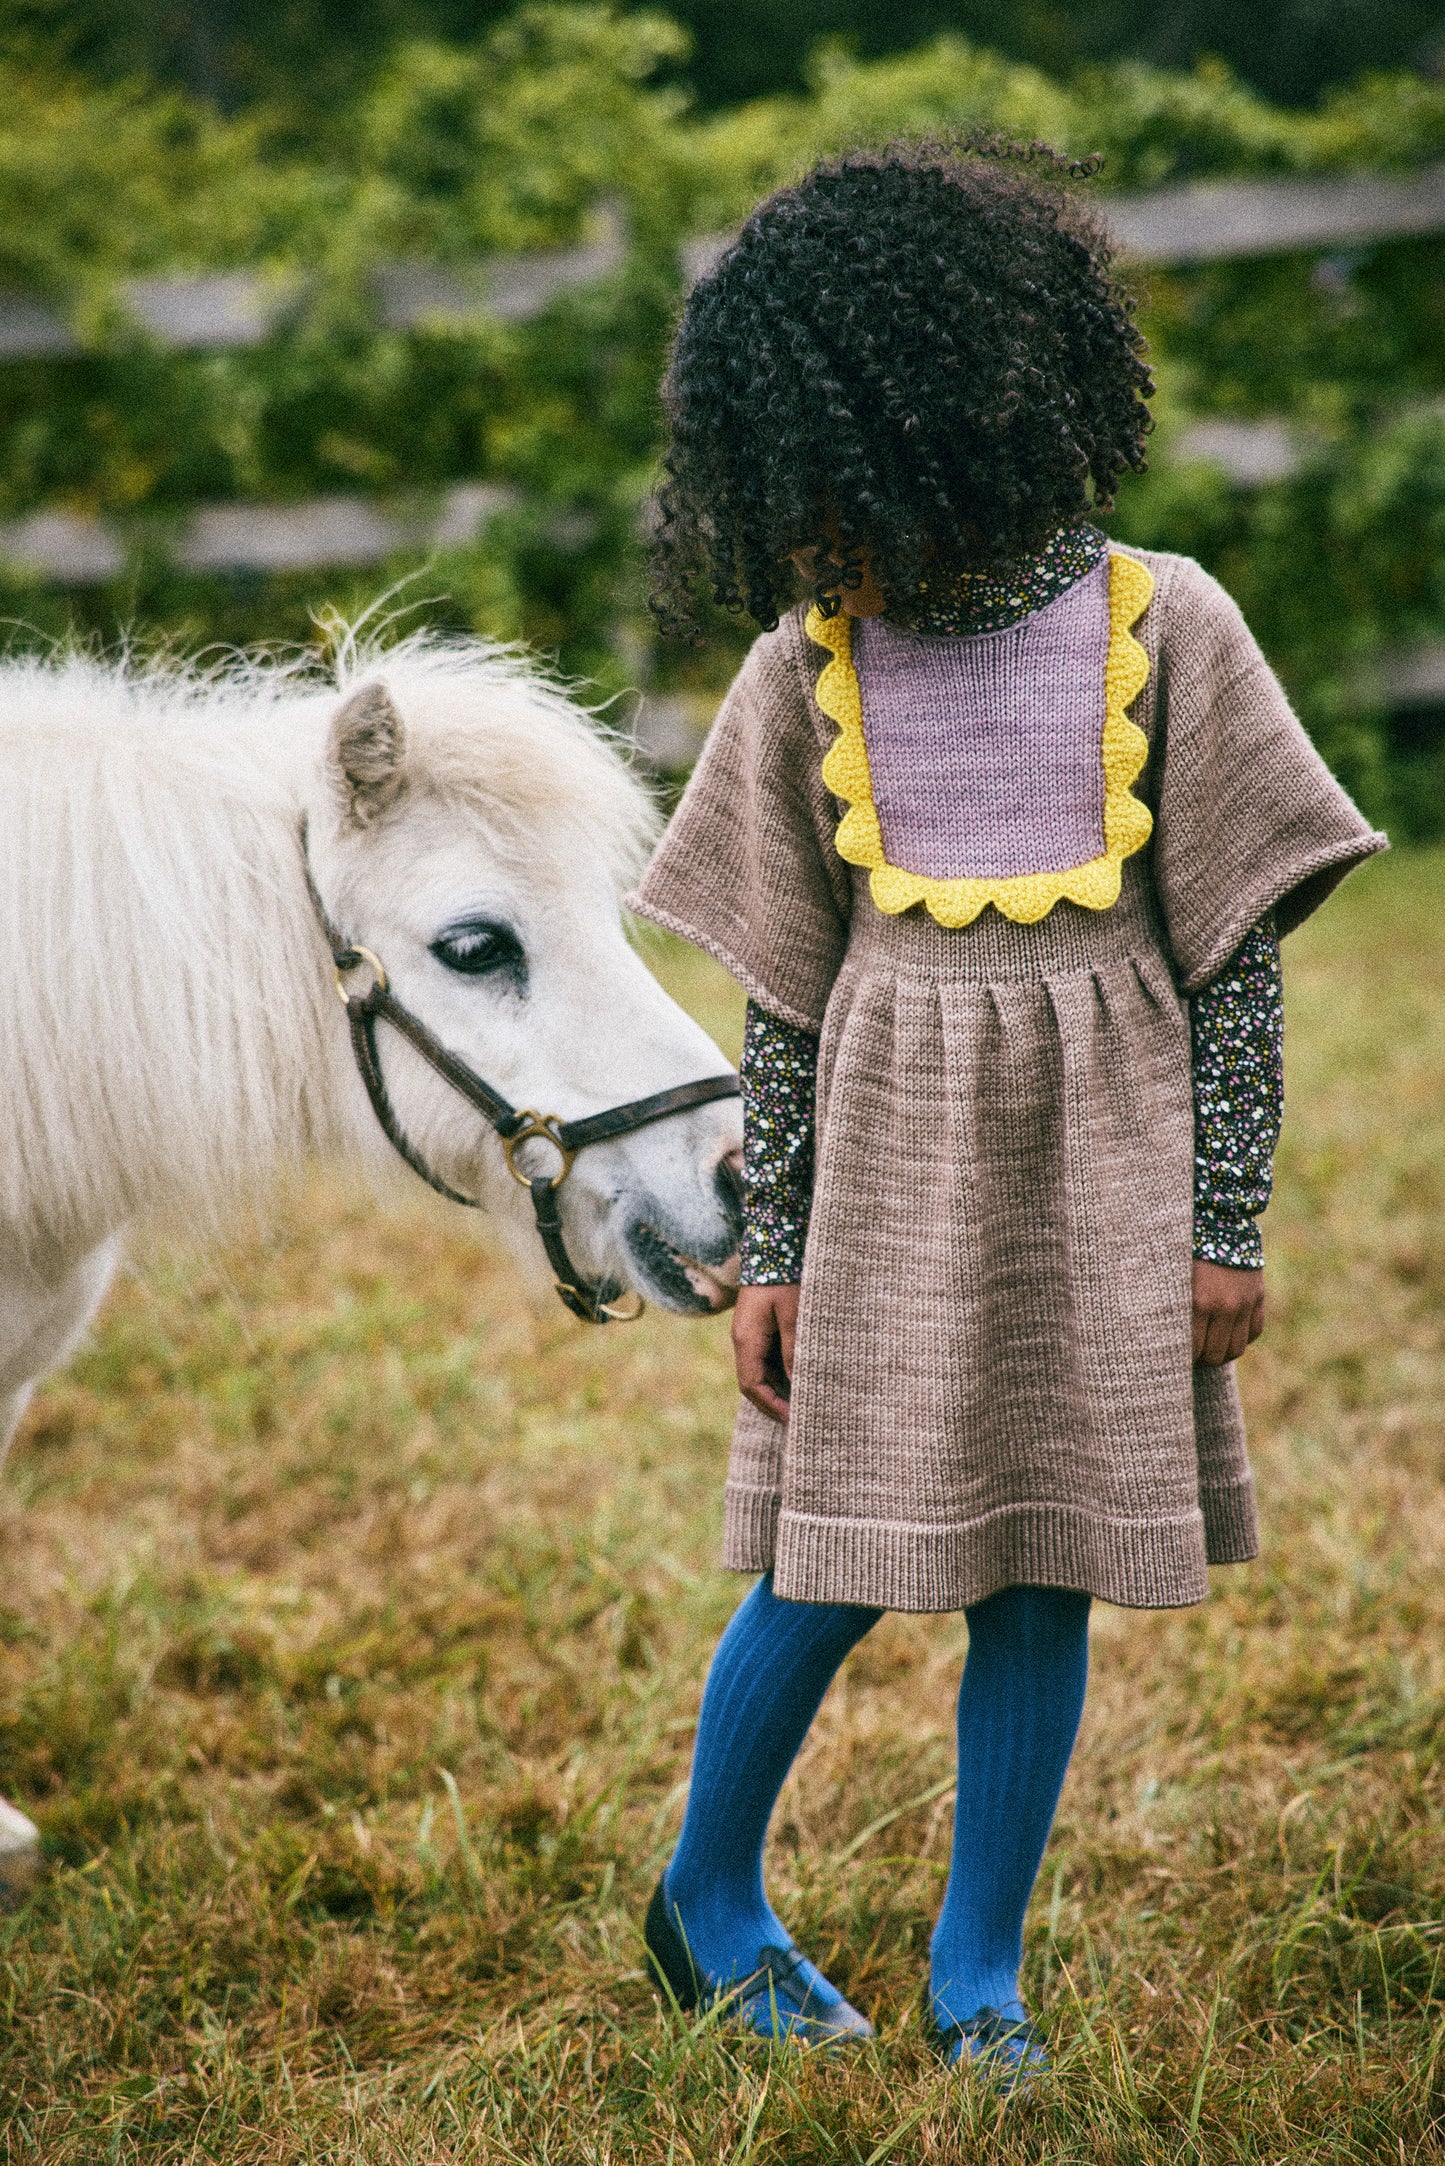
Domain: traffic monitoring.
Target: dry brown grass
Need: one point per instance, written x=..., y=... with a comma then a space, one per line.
x=354, y=1617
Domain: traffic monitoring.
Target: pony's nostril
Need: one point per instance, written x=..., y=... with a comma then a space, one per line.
x=728, y=1178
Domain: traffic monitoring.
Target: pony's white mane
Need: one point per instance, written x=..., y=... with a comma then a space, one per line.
x=164, y=1029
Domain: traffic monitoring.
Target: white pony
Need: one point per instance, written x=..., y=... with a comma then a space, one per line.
x=170, y=1036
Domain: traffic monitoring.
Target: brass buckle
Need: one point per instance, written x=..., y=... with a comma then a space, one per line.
x=342, y=971
x=544, y=1125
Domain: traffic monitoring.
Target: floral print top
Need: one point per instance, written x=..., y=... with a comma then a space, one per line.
x=1237, y=1027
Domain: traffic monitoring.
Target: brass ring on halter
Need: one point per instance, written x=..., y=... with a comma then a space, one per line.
x=545, y=1126
x=358, y=954
x=616, y=1314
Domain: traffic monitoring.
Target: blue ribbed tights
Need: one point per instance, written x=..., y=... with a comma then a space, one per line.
x=1018, y=1713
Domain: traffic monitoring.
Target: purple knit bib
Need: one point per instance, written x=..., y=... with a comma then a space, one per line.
x=986, y=749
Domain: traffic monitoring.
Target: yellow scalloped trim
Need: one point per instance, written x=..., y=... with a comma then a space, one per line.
x=1025, y=897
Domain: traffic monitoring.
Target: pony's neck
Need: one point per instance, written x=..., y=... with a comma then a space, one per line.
x=162, y=1027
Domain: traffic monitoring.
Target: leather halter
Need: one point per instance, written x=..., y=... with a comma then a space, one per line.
x=595, y=1301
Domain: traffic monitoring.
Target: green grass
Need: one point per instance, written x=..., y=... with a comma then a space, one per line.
x=353, y=1615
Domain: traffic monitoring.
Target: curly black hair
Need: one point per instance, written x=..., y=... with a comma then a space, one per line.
x=921, y=353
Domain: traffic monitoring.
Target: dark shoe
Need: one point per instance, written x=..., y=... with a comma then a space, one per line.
x=669, y=1959
x=1006, y=2051
x=785, y=1997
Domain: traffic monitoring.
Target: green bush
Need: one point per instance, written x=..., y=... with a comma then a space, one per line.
x=511, y=143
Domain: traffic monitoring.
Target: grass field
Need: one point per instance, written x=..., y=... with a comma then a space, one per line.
x=355, y=1612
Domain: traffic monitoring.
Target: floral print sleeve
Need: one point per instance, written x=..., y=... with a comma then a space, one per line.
x=1237, y=1024
x=779, y=1071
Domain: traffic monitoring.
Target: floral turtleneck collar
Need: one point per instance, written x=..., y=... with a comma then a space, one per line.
x=990, y=601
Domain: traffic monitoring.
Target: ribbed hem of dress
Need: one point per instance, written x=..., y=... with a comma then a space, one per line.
x=1231, y=1522
x=1136, y=1564
x=750, y=1528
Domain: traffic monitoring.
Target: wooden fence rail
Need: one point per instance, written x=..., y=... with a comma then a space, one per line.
x=221, y=309
x=77, y=551
x=1198, y=223
x=1208, y=220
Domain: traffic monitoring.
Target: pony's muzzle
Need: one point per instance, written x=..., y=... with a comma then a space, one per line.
x=717, y=1283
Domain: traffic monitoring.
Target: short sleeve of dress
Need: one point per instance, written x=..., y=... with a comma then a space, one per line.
x=747, y=868
x=1248, y=816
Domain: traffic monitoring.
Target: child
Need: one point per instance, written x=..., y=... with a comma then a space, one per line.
x=998, y=829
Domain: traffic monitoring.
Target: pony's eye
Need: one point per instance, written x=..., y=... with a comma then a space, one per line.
x=481, y=948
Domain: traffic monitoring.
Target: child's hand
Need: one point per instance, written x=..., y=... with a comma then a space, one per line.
x=764, y=1323
x=1228, y=1312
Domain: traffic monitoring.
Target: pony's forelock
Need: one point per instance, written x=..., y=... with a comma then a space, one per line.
x=514, y=747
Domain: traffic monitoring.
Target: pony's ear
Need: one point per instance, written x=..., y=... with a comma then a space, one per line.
x=364, y=753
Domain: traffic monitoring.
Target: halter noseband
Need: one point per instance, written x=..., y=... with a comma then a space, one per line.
x=595, y=1301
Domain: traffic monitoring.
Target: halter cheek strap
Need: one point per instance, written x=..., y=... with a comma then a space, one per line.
x=595, y=1301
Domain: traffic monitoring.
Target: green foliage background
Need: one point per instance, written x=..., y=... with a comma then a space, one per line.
x=304, y=56
x=451, y=149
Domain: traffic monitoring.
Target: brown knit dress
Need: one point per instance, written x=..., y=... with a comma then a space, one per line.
x=993, y=1380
